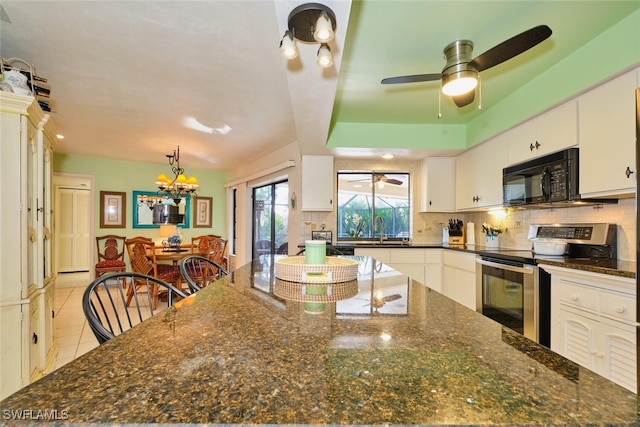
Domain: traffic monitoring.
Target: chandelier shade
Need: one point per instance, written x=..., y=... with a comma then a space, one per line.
x=179, y=186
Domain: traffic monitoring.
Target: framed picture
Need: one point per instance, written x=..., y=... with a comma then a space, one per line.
x=322, y=235
x=112, y=209
x=202, y=212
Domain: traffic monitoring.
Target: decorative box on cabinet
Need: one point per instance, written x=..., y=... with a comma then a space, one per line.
x=26, y=275
x=593, y=322
x=547, y=133
x=607, y=129
x=438, y=184
x=317, y=183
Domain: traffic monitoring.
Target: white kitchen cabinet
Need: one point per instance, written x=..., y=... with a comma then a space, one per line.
x=379, y=254
x=547, y=133
x=438, y=184
x=459, y=277
x=433, y=269
x=479, y=175
x=409, y=261
x=317, y=183
x=607, y=135
x=593, y=322
x=27, y=343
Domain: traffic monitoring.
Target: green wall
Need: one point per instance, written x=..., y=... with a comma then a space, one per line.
x=127, y=176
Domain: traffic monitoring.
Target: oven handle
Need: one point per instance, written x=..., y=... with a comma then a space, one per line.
x=525, y=269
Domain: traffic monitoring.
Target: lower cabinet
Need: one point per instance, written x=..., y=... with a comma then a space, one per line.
x=459, y=277
x=593, y=322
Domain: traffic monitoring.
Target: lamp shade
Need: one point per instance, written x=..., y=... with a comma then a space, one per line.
x=324, y=58
x=459, y=83
x=323, y=32
x=288, y=47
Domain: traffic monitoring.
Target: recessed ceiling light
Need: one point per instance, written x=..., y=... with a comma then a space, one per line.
x=60, y=136
x=387, y=156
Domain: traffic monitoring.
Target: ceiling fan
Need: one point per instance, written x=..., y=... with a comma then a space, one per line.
x=380, y=177
x=460, y=74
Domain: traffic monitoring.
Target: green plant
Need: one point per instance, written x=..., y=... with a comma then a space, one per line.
x=492, y=230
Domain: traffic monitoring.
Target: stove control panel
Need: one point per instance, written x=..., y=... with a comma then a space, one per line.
x=585, y=234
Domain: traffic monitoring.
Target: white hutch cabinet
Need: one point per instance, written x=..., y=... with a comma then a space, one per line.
x=27, y=342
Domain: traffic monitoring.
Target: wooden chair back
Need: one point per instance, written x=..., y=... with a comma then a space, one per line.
x=110, y=254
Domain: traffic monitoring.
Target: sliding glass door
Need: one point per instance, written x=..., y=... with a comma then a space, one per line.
x=270, y=219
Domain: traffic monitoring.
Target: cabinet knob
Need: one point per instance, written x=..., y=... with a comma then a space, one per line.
x=619, y=309
x=476, y=198
x=536, y=146
x=628, y=172
x=34, y=338
x=574, y=297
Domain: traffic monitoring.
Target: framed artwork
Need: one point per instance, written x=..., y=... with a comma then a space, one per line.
x=202, y=212
x=322, y=235
x=112, y=209
x=143, y=203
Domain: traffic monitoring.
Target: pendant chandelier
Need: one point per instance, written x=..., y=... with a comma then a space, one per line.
x=179, y=186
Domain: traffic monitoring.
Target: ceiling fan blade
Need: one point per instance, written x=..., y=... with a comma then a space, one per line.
x=412, y=79
x=510, y=48
x=465, y=98
x=393, y=181
x=391, y=297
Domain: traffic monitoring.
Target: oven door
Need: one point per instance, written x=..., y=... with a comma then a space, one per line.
x=507, y=293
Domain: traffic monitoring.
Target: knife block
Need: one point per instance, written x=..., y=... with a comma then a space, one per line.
x=458, y=238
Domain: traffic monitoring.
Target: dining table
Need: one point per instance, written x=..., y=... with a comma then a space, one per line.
x=175, y=255
x=254, y=349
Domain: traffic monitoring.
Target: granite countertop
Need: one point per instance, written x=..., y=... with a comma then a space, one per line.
x=235, y=354
x=614, y=267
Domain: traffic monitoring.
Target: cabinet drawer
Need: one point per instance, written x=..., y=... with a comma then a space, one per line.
x=433, y=256
x=618, y=305
x=461, y=260
x=578, y=296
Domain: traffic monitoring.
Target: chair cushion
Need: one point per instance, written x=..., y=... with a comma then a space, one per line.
x=167, y=272
x=110, y=263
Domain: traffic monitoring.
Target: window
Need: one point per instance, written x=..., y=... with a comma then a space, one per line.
x=364, y=197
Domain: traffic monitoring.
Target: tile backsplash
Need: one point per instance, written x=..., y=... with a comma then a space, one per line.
x=428, y=226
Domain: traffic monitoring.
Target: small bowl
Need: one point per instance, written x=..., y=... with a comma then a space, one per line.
x=549, y=247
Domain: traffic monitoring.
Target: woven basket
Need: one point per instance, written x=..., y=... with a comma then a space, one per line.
x=335, y=270
x=324, y=292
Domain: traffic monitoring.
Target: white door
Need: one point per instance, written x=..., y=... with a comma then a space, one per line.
x=73, y=229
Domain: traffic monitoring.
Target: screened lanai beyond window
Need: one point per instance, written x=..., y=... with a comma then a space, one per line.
x=365, y=196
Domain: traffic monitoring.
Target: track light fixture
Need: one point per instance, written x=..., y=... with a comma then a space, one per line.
x=310, y=23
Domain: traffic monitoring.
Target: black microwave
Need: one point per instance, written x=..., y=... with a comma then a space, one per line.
x=549, y=179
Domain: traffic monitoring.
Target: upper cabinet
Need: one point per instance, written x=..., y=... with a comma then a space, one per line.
x=438, y=184
x=479, y=175
x=317, y=183
x=607, y=127
x=552, y=131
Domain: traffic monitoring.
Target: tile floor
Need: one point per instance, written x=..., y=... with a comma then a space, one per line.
x=74, y=335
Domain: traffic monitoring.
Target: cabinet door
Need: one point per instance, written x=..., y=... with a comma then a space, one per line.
x=479, y=175
x=552, y=131
x=576, y=338
x=618, y=355
x=438, y=184
x=317, y=183
x=607, y=138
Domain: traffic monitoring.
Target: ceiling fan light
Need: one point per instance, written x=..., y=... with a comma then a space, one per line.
x=323, y=32
x=459, y=83
x=324, y=58
x=288, y=47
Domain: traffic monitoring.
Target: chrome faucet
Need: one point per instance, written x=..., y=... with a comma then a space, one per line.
x=380, y=228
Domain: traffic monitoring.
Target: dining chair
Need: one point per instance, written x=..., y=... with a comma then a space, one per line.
x=142, y=257
x=105, y=305
x=218, y=254
x=110, y=254
x=199, y=271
